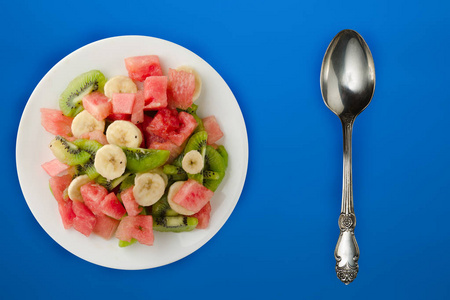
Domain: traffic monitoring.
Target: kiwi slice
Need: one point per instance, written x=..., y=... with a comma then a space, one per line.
x=70, y=100
x=90, y=146
x=173, y=170
x=207, y=174
x=126, y=183
x=214, y=162
x=142, y=160
x=223, y=152
x=126, y=244
x=162, y=208
x=175, y=224
x=68, y=153
x=111, y=184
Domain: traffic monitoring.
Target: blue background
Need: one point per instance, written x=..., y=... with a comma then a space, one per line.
x=280, y=239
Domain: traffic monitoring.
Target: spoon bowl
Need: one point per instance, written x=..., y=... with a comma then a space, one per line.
x=347, y=82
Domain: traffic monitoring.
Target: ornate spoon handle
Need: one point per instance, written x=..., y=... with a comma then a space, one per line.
x=347, y=250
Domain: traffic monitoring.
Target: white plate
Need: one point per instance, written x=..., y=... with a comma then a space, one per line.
x=32, y=150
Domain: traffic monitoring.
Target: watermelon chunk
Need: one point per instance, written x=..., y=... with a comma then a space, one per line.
x=192, y=196
x=129, y=202
x=98, y=105
x=58, y=185
x=55, y=122
x=123, y=117
x=112, y=207
x=93, y=195
x=122, y=103
x=96, y=135
x=213, y=129
x=155, y=92
x=169, y=146
x=55, y=167
x=187, y=127
x=137, y=115
x=180, y=89
x=105, y=226
x=66, y=213
x=141, y=67
x=84, y=220
x=136, y=227
x=203, y=216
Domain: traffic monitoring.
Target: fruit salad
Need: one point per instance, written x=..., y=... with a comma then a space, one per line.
x=132, y=155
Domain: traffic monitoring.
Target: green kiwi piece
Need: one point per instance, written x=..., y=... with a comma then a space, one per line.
x=199, y=121
x=177, y=161
x=173, y=170
x=111, y=184
x=214, y=162
x=207, y=174
x=126, y=183
x=68, y=153
x=90, y=146
x=70, y=100
x=162, y=208
x=175, y=224
x=223, y=152
x=178, y=177
x=192, y=109
x=126, y=244
x=142, y=160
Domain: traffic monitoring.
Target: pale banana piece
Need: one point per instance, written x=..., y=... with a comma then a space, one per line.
x=110, y=161
x=74, y=187
x=148, y=188
x=119, y=84
x=160, y=172
x=174, y=188
x=198, y=80
x=192, y=162
x=84, y=122
x=124, y=134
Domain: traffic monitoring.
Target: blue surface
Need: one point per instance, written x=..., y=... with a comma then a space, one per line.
x=280, y=239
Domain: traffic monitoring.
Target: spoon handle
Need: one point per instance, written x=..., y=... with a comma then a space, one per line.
x=347, y=250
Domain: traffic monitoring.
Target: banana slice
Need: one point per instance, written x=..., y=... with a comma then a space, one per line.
x=192, y=162
x=74, y=187
x=198, y=80
x=84, y=122
x=124, y=134
x=110, y=161
x=174, y=188
x=119, y=84
x=160, y=172
x=148, y=188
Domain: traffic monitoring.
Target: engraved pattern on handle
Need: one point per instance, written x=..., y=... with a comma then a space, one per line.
x=347, y=250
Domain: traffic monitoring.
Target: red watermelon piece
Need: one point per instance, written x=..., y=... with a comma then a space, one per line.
x=164, y=122
x=112, y=207
x=98, y=105
x=155, y=92
x=58, y=185
x=122, y=103
x=180, y=89
x=141, y=67
x=55, y=122
x=66, y=212
x=84, y=220
x=213, y=129
x=115, y=117
x=130, y=203
x=93, y=195
x=138, y=227
x=167, y=145
x=137, y=115
x=187, y=127
x=203, y=216
x=192, y=195
x=96, y=135
x=105, y=226
x=55, y=167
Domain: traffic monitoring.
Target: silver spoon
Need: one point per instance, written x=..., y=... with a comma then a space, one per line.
x=347, y=81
